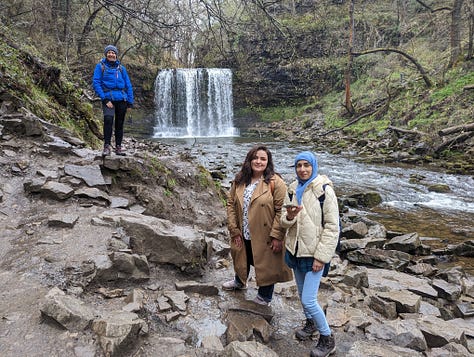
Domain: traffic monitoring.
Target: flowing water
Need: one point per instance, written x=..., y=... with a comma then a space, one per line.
x=194, y=102
x=407, y=206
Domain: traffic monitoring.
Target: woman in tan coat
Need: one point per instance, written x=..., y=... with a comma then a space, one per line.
x=253, y=219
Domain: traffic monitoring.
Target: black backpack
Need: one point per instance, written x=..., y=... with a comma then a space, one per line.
x=321, y=198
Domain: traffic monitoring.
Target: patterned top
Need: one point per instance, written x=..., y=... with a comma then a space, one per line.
x=247, y=197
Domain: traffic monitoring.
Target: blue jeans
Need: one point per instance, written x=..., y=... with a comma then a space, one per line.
x=308, y=286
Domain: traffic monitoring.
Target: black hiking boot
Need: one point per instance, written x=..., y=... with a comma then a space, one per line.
x=119, y=151
x=326, y=345
x=307, y=331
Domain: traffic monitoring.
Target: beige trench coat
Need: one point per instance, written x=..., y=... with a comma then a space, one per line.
x=264, y=224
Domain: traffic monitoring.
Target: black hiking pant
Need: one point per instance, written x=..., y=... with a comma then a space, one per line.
x=118, y=111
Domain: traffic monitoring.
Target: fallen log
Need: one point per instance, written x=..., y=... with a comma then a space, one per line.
x=406, y=131
x=350, y=123
x=469, y=87
x=456, y=129
x=456, y=140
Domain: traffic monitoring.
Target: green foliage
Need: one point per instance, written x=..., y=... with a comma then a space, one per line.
x=333, y=120
x=369, y=127
x=13, y=73
x=48, y=91
x=204, y=178
x=454, y=87
x=171, y=183
x=221, y=192
x=331, y=106
x=452, y=155
x=279, y=113
x=156, y=167
x=423, y=120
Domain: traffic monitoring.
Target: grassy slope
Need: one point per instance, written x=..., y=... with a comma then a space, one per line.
x=48, y=91
x=394, y=83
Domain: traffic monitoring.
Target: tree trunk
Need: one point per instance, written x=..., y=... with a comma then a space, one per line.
x=347, y=75
x=406, y=131
x=401, y=19
x=86, y=29
x=455, y=33
x=470, y=46
x=350, y=123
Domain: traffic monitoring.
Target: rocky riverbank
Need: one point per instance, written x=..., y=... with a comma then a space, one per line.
x=126, y=255
x=394, y=145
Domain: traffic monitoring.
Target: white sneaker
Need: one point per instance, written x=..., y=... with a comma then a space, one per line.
x=233, y=285
x=259, y=300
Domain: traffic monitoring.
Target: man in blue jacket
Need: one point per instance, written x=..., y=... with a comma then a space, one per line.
x=112, y=84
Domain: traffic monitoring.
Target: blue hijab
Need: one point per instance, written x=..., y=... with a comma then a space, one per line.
x=302, y=184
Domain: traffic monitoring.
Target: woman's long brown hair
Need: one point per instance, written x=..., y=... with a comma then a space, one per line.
x=244, y=176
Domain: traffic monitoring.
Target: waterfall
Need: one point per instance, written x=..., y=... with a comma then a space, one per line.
x=194, y=103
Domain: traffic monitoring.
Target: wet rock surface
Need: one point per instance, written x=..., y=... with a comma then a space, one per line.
x=125, y=256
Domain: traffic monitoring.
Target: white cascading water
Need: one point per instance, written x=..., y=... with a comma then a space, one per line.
x=194, y=103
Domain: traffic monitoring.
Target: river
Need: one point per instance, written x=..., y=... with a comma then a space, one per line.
x=407, y=206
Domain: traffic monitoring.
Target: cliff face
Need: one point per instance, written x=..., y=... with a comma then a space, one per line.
x=274, y=68
x=277, y=69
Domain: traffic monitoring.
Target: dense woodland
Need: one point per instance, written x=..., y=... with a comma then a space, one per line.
x=369, y=66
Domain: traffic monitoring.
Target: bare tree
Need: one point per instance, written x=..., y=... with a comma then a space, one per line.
x=470, y=15
x=455, y=33
x=348, y=103
x=455, y=28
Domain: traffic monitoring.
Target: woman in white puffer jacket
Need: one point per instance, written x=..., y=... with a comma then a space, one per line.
x=311, y=240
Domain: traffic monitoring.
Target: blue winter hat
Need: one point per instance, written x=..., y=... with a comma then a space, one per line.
x=302, y=184
x=110, y=48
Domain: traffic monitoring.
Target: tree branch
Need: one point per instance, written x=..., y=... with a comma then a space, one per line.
x=456, y=140
x=419, y=67
x=431, y=9
x=350, y=123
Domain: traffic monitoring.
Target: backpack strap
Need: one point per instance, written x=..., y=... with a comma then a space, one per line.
x=321, y=202
x=272, y=186
x=102, y=65
x=321, y=198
